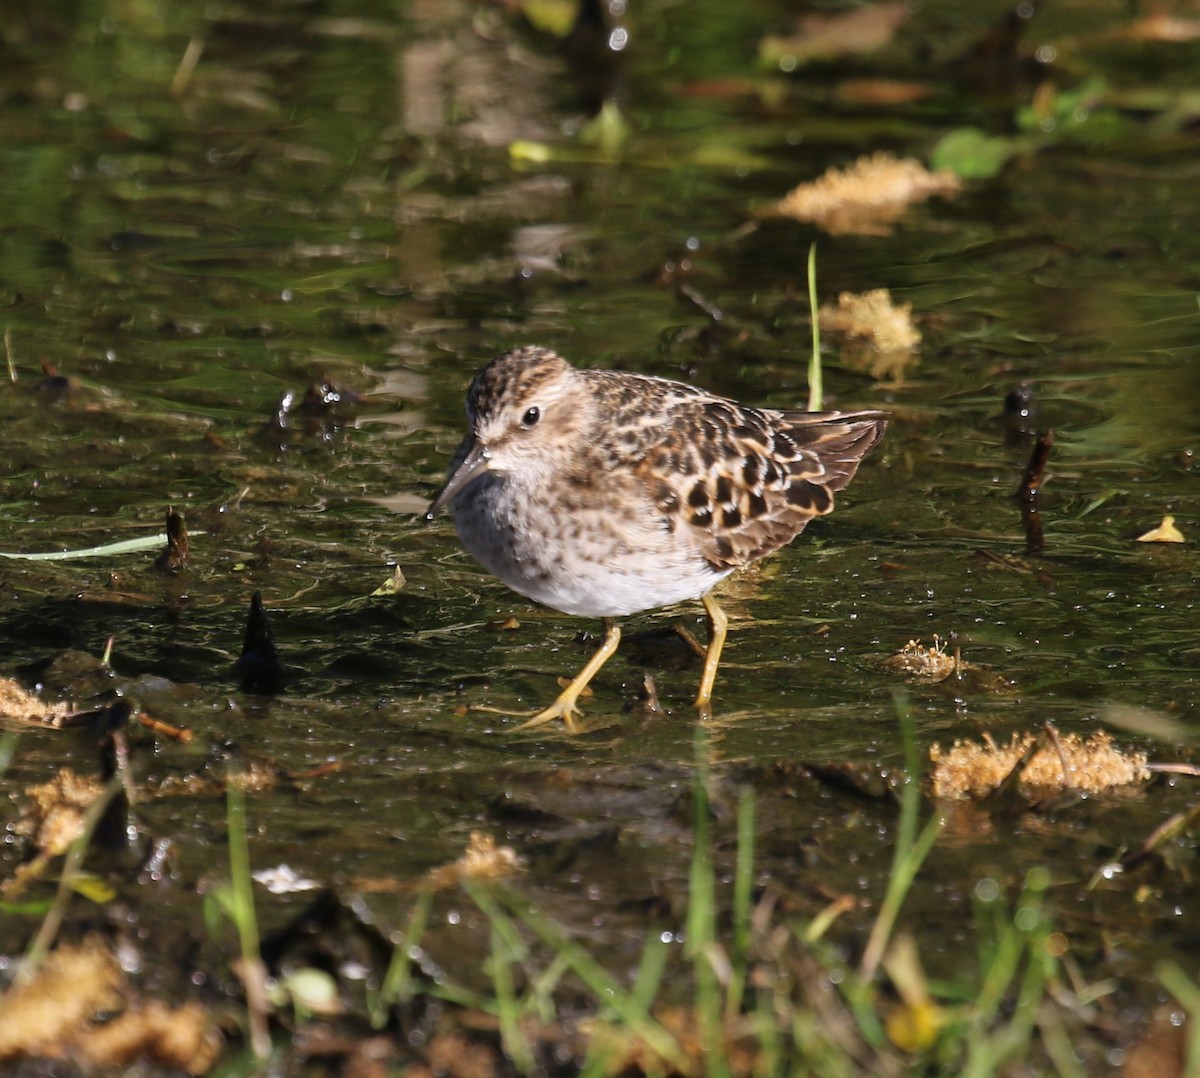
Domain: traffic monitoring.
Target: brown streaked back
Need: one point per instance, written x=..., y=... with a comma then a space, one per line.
x=762, y=475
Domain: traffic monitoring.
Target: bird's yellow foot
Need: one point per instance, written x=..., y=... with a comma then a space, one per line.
x=564, y=706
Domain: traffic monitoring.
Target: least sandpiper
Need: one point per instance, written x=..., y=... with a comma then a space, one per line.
x=602, y=494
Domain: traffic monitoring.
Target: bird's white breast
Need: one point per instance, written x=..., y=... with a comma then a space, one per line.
x=578, y=558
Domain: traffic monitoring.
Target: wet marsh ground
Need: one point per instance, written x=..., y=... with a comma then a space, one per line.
x=349, y=197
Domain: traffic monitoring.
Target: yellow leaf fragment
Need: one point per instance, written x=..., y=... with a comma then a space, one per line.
x=392, y=586
x=914, y=1028
x=1092, y=765
x=93, y=888
x=537, y=153
x=556, y=17
x=915, y=1025
x=1166, y=532
x=867, y=197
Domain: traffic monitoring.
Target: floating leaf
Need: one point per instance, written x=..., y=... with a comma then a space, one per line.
x=826, y=37
x=93, y=888
x=974, y=154
x=1081, y=114
x=867, y=197
x=392, y=585
x=1166, y=532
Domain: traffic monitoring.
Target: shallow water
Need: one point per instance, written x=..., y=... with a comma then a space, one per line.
x=331, y=196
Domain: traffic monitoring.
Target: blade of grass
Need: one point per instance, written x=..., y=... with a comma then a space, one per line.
x=397, y=984
x=506, y=950
x=1021, y=938
x=512, y=1035
x=241, y=891
x=125, y=546
x=1058, y=1044
x=603, y=986
x=701, y=938
x=650, y=970
x=910, y=851
x=899, y=882
x=72, y=866
x=743, y=882
x=815, y=929
x=541, y=989
x=816, y=392
x=1010, y=947
x=1184, y=989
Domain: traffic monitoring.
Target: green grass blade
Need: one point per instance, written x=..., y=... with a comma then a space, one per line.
x=245, y=920
x=500, y=965
x=910, y=851
x=72, y=866
x=816, y=392
x=398, y=981
x=1184, y=989
x=627, y=1008
x=702, y=944
x=743, y=883
x=650, y=970
x=125, y=546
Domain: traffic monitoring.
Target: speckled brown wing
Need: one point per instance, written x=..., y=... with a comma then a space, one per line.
x=748, y=480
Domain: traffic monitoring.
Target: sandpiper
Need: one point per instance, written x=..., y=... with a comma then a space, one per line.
x=604, y=493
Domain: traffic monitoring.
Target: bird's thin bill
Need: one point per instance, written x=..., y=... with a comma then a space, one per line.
x=470, y=468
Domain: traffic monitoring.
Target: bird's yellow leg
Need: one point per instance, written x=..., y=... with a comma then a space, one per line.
x=718, y=624
x=564, y=707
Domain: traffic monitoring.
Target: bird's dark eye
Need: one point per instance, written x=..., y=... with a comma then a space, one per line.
x=531, y=417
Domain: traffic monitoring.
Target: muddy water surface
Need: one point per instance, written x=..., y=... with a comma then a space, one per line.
x=329, y=197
